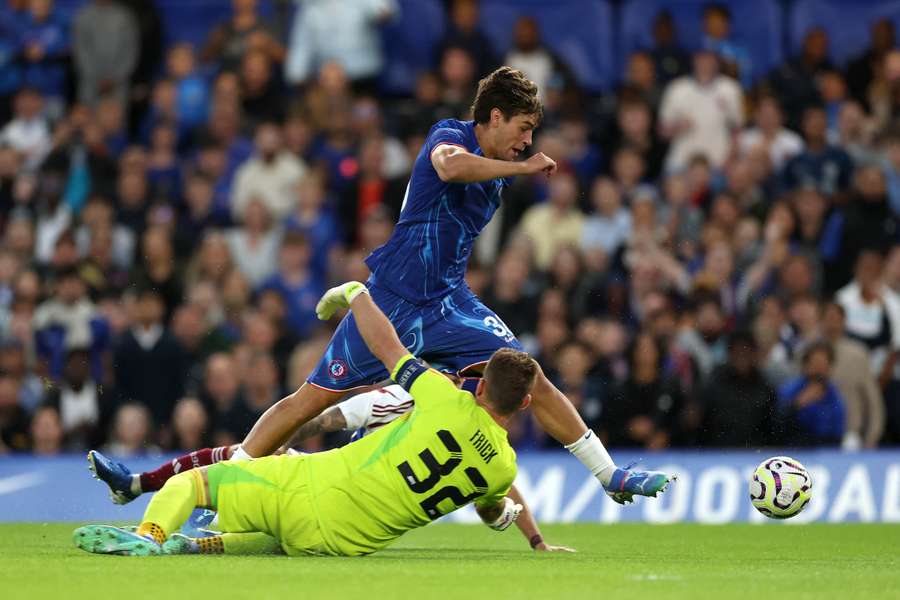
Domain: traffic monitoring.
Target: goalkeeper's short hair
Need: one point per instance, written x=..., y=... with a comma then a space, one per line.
x=508, y=378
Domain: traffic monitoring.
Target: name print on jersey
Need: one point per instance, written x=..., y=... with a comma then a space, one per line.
x=483, y=446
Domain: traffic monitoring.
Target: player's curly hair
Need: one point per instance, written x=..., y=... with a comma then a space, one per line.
x=508, y=90
x=508, y=378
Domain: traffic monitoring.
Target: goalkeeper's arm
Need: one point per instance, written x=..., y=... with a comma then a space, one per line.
x=501, y=515
x=513, y=508
x=374, y=327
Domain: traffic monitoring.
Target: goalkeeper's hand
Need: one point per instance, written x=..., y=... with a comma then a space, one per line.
x=508, y=515
x=338, y=297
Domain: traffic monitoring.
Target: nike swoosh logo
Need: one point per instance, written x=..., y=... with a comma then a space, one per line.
x=16, y=483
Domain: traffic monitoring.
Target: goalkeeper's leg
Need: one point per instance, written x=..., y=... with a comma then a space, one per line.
x=166, y=512
x=224, y=543
x=172, y=505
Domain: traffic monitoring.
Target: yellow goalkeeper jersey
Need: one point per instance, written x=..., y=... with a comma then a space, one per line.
x=444, y=454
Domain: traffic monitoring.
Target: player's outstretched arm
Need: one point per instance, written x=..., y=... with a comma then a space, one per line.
x=456, y=165
x=374, y=327
x=327, y=422
x=529, y=527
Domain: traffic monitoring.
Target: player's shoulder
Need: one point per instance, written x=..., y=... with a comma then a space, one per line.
x=452, y=131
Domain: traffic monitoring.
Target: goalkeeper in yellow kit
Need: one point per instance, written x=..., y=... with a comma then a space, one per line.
x=452, y=449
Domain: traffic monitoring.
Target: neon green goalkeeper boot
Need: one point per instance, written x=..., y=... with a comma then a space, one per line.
x=106, y=539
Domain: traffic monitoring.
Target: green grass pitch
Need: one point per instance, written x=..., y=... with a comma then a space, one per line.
x=467, y=561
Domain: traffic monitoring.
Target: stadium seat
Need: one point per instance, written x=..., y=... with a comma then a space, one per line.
x=847, y=23
x=758, y=25
x=580, y=31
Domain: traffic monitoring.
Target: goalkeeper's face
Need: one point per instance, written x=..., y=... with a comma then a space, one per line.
x=513, y=136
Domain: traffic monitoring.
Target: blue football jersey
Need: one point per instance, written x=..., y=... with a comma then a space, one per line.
x=425, y=258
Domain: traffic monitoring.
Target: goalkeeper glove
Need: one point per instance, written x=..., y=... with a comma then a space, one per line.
x=338, y=297
x=508, y=515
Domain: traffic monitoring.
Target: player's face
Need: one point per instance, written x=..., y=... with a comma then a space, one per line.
x=514, y=136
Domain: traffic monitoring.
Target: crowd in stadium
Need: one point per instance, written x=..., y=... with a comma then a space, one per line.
x=716, y=263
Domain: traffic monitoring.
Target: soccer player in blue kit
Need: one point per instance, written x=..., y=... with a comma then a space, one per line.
x=417, y=279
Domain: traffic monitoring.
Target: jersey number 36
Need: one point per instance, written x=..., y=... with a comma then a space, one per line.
x=436, y=471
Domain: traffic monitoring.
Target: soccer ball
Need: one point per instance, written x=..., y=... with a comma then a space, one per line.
x=780, y=487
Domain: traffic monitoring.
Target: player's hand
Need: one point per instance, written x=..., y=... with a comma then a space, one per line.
x=508, y=515
x=338, y=297
x=545, y=547
x=538, y=163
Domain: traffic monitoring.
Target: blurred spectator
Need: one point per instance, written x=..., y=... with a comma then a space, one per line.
x=862, y=397
x=159, y=269
x=812, y=404
x=370, y=189
x=271, y=176
x=191, y=87
x=81, y=404
x=529, y=55
x=345, y=32
x=296, y=284
x=198, y=215
x=869, y=221
x=261, y=383
x=795, y=81
x=820, y=165
x=149, y=363
x=28, y=133
x=861, y=69
x=705, y=341
x=46, y=432
x=244, y=31
x=872, y=313
x=576, y=379
x=464, y=32
x=13, y=362
x=581, y=154
x=68, y=319
x=457, y=70
x=670, y=58
x=884, y=91
x=97, y=218
x=609, y=226
x=644, y=408
x=555, y=223
x=261, y=95
x=45, y=51
x=190, y=425
x=706, y=92
x=634, y=124
x=640, y=82
x=511, y=295
x=132, y=432
x=739, y=409
x=855, y=133
x=13, y=418
x=105, y=46
x=212, y=262
x=770, y=135
x=255, y=244
x=222, y=390
x=717, y=38
x=369, y=124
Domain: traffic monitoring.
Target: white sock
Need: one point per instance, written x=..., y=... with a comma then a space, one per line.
x=590, y=451
x=240, y=454
x=136, y=485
